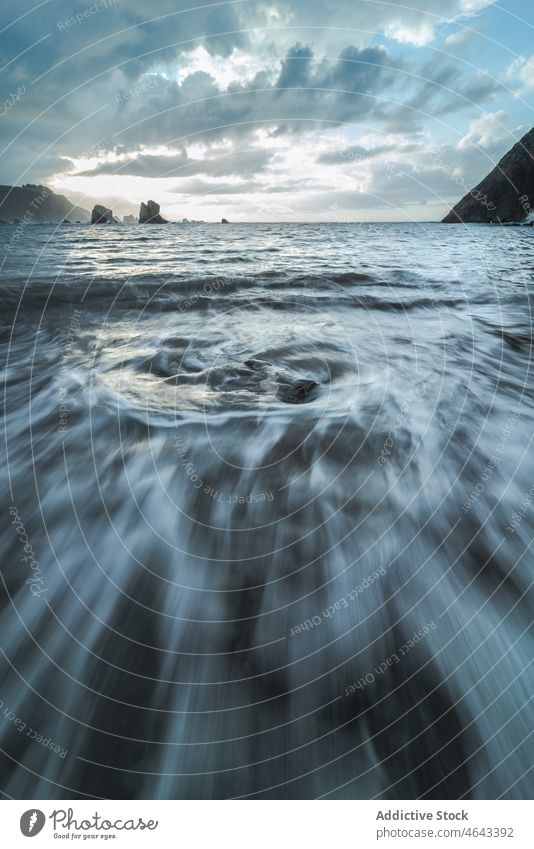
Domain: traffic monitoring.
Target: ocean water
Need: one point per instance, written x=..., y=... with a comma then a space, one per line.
x=268, y=511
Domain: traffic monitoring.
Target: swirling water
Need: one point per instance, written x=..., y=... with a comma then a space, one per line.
x=245, y=464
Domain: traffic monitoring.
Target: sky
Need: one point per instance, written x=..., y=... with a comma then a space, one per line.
x=264, y=110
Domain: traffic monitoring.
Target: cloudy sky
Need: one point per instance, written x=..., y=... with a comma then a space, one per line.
x=264, y=109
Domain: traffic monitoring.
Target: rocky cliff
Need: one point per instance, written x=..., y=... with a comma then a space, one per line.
x=38, y=204
x=506, y=194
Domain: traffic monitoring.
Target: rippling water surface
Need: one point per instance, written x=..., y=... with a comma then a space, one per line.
x=274, y=489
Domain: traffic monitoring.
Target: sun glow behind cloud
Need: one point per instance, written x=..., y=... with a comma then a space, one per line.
x=327, y=177
x=236, y=68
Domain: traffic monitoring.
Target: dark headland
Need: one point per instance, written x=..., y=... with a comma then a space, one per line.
x=37, y=203
x=506, y=195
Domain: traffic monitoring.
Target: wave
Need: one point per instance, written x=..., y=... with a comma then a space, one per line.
x=275, y=289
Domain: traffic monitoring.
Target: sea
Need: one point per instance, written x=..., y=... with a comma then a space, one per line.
x=268, y=510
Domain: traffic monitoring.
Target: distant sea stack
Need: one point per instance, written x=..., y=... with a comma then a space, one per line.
x=37, y=204
x=149, y=213
x=101, y=215
x=506, y=195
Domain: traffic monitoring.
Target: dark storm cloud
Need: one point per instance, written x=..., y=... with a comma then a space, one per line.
x=85, y=39
x=296, y=68
x=82, y=54
x=311, y=93
x=480, y=88
x=443, y=87
x=197, y=109
x=216, y=164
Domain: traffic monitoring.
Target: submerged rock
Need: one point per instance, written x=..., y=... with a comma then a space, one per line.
x=101, y=215
x=506, y=195
x=296, y=391
x=149, y=213
x=285, y=387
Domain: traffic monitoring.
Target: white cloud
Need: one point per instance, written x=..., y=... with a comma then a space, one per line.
x=521, y=74
x=418, y=34
x=236, y=68
x=486, y=132
x=471, y=7
x=459, y=39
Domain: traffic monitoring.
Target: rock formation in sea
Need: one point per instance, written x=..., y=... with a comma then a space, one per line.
x=149, y=213
x=101, y=215
x=506, y=195
x=224, y=221
x=129, y=219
